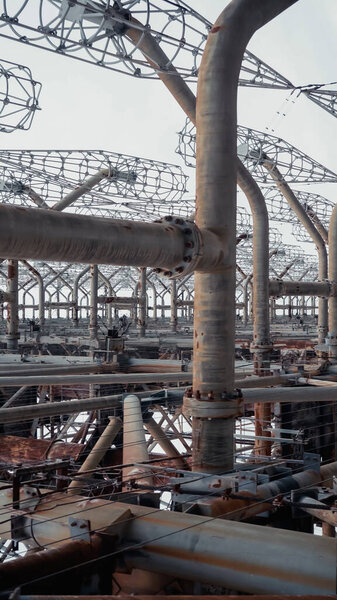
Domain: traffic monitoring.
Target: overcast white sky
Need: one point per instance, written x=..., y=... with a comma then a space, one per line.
x=86, y=107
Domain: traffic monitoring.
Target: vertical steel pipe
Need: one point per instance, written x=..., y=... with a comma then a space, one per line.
x=173, y=304
x=110, y=293
x=12, y=335
x=93, y=325
x=217, y=172
x=75, y=293
x=142, y=297
x=316, y=237
x=333, y=279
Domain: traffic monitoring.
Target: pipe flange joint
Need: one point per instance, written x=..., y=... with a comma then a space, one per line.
x=209, y=406
x=279, y=291
x=331, y=339
x=333, y=289
x=192, y=245
x=261, y=347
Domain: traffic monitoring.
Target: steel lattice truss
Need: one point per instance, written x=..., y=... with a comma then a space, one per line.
x=19, y=97
x=97, y=32
x=326, y=99
x=255, y=147
x=133, y=186
x=279, y=209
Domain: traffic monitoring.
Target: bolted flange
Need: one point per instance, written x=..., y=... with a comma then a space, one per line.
x=192, y=245
x=224, y=407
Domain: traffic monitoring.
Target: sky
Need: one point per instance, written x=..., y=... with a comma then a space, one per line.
x=86, y=107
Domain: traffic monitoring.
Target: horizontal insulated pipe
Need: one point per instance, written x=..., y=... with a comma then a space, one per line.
x=99, y=379
x=251, y=396
x=50, y=235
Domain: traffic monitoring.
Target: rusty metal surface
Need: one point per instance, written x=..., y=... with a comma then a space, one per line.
x=184, y=597
x=16, y=450
x=41, y=564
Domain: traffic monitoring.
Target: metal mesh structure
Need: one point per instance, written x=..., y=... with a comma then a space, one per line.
x=97, y=32
x=132, y=185
x=255, y=148
x=326, y=99
x=19, y=97
x=279, y=209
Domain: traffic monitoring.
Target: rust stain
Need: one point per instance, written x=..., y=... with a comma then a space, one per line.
x=243, y=567
x=11, y=271
x=127, y=227
x=216, y=29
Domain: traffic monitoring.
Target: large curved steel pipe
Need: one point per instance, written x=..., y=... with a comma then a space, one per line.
x=261, y=340
x=316, y=237
x=217, y=117
x=333, y=278
x=216, y=161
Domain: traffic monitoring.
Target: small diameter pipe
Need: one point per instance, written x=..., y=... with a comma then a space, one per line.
x=83, y=188
x=93, y=324
x=124, y=378
x=99, y=450
x=173, y=306
x=142, y=297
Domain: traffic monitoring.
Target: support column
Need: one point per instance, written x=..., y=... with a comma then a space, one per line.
x=93, y=327
x=12, y=335
x=142, y=298
x=173, y=316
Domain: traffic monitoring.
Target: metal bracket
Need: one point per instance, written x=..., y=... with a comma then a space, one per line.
x=79, y=529
x=295, y=495
x=311, y=462
x=18, y=528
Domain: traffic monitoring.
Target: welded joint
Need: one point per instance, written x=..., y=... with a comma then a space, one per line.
x=192, y=247
x=261, y=347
